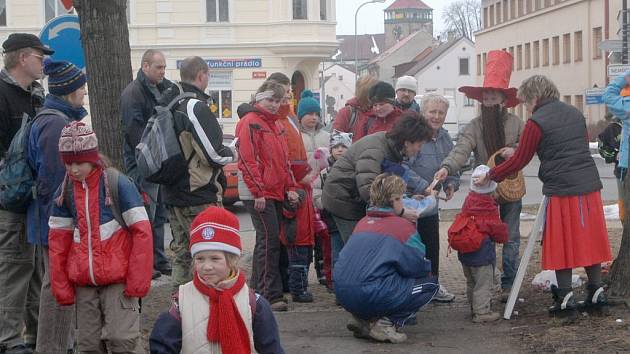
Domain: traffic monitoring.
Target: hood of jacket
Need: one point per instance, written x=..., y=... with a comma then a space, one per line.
x=477, y=203
x=354, y=103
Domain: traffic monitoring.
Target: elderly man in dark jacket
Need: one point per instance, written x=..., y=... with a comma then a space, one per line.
x=19, y=93
x=136, y=106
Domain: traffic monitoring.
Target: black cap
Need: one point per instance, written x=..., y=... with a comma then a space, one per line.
x=382, y=92
x=24, y=40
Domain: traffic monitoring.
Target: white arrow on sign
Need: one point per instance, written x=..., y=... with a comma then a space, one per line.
x=54, y=32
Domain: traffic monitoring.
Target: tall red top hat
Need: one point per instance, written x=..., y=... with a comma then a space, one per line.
x=497, y=77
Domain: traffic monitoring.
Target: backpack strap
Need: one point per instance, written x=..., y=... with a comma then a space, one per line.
x=182, y=95
x=353, y=118
x=112, y=180
x=252, y=302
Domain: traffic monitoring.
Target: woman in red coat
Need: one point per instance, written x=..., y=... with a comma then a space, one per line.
x=264, y=180
x=575, y=233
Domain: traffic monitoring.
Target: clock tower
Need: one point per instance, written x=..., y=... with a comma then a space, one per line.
x=404, y=17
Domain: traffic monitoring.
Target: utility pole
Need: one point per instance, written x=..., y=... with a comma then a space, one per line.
x=624, y=32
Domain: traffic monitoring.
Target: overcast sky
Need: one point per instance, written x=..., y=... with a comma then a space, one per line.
x=370, y=18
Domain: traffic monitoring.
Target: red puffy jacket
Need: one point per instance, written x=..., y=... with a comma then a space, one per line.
x=478, y=219
x=303, y=228
x=344, y=116
x=88, y=247
x=263, y=154
x=366, y=122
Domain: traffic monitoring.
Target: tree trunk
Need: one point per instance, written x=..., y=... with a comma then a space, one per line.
x=620, y=272
x=105, y=39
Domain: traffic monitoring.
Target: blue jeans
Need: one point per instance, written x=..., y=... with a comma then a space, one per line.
x=511, y=215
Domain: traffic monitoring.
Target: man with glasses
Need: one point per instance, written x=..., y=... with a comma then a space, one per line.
x=20, y=268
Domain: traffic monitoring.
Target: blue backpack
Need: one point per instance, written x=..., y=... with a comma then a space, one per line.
x=17, y=179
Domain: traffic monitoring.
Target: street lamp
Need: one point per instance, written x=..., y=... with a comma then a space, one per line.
x=356, y=40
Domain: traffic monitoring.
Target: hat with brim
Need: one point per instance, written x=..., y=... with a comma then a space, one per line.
x=17, y=41
x=497, y=78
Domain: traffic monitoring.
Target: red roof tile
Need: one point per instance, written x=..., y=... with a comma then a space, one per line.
x=408, y=4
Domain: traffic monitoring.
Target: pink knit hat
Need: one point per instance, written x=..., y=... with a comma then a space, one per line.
x=78, y=143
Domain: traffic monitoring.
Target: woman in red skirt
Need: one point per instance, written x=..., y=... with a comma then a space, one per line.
x=575, y=232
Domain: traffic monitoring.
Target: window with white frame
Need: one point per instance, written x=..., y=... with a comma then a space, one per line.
x=217, y=11
x=220, y=90
x=54, y=8
x=299, y=10
x=3, y=12
x=430, y=90
x=468, y=102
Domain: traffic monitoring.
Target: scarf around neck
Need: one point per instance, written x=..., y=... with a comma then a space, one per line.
x=225, y=324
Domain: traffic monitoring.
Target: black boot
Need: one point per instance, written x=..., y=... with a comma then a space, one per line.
x=595, y=299
x=564, y=304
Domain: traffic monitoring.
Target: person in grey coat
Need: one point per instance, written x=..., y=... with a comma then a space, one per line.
x=425, y=164
x=347, y=188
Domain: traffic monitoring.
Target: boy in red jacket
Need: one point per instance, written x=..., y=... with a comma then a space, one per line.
x=472, y=235
x=100, y=246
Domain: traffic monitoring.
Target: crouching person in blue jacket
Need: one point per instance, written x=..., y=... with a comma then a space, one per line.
x=382, y=276
x=216, y=312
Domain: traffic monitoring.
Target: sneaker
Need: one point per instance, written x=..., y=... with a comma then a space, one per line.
x=280, y=306
x=443, y=296
x=383, y=330
x=505, y=294
x=19, y=349
x=486, y=317
x=303, y=297
x=360, y=327
x=156, y=274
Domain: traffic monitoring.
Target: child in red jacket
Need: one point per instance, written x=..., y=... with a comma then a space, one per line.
x=473, y=234
x=100, y=246
x=298, y=236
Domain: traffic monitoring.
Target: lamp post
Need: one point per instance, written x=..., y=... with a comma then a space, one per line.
x=356, y=40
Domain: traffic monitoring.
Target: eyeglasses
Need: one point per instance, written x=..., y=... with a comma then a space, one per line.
x=40, y=57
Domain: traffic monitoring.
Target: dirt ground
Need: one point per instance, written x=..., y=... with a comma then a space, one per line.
x=320, y=327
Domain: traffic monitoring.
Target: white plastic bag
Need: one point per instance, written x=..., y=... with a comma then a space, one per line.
x=420, y=207
x=545, y=279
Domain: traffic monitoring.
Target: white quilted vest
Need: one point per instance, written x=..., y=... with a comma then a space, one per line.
x=195, y=309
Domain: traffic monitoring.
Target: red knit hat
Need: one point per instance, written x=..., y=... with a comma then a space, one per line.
x=78, y=143
x=497, y=77
x=215, y=229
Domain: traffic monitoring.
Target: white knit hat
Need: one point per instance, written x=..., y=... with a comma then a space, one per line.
x=488, y=188
x=407, y=82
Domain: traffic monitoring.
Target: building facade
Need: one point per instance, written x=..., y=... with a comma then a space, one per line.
x=556, y=38
x=442, y=70
x=243, y=41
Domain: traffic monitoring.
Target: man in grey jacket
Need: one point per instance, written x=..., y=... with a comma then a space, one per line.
x=495, y=130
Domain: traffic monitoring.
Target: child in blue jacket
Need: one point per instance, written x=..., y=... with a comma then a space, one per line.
x=382, y=276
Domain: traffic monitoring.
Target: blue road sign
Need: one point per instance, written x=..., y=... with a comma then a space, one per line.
x=63, y=35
